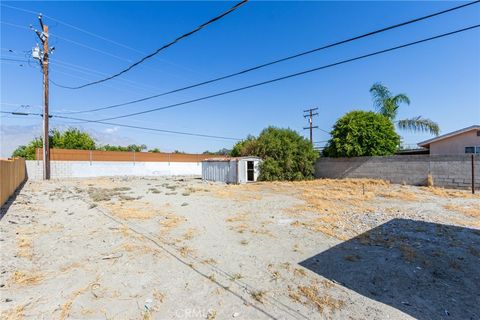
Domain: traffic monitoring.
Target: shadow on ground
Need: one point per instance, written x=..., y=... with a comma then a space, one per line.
x=426, y=270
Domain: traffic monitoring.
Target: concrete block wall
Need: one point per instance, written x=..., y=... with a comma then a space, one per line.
x=84, y=169
x=453, y=171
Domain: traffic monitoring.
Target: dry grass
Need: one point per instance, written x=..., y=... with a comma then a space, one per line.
x=71, y=266
x=311, y=295
x=26, y=278
x=139, y=248
x=408, y=253
x=352, y=257
x=337, y=207
x=236, y=276
x=209, y=261
x=258, y=295
x=238, y=192
x=14, y=313
x=136, y=211
x=468, y=210
x=299, y=272
x=159, y=296
x=239, y=217
x=275, y=275
x=170, y=222
x=450, y=193
x=327, y=203
x=25, y=247
x=185, y=251
x=430, y=180
x=212, y=314
x=474, y=251
x=399, y=194
x=66, y=307
x=189, y=234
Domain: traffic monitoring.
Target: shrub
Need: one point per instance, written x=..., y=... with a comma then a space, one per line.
x=286, y=154
x=362, y=133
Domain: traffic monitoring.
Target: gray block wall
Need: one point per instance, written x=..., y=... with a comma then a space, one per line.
x=453, y=171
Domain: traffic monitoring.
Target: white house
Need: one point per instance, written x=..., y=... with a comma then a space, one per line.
x=231, y=170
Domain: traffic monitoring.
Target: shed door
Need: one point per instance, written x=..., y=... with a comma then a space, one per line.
x=250, y=171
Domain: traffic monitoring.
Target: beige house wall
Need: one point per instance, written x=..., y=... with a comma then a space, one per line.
x=455, y=144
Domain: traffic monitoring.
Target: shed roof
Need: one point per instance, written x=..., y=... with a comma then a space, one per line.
x=427, y=143
x=220, y=159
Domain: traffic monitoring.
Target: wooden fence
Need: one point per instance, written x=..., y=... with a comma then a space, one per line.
x=12, y=174
x=96, y=155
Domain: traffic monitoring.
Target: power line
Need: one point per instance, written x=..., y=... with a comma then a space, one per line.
x=72, y=41
x=16, y=60
x=293, y=75
x=76, y=28
x=279, y=60
x=200, y=27
x=92, y=71
x=92, y=48
x=93, y=35
x=130, y=126
x=324, y=130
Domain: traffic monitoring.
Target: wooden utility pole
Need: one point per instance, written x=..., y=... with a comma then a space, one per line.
x=42, y=57
x=309, y=113
x=46, y=144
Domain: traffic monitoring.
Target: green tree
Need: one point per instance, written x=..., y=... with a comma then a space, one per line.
x=245, y=147
x=155, y=150
x=362, y=133
x=71, y=138
x=223, y=151
x=387, y=104
x=131, y=147
x=286, y=154
x=28, y=151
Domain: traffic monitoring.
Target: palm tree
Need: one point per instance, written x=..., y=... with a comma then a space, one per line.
x=388, y=104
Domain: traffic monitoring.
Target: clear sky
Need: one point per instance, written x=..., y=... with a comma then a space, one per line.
x=442, y=77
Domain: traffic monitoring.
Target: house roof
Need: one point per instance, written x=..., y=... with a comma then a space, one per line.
x=427, y=143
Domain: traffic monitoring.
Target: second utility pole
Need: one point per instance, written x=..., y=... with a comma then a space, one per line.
x=309, y=113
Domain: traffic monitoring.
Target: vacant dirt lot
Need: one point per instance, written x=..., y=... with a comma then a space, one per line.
x=180, y=248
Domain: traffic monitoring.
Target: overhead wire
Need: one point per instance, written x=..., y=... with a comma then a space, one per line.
x=71, y=41
x=293, y=74
x=74, y=27
x=90, y=33
x=132, y=126
x=104, y=121
x=176, y=40
x=331, y=45
x=89, y=70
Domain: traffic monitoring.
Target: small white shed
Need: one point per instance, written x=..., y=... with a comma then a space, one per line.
x=231, y=170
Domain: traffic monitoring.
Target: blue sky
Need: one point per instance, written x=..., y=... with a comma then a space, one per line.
x=442, y=78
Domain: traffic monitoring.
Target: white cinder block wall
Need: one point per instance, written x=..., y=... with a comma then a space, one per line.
x=84, y=169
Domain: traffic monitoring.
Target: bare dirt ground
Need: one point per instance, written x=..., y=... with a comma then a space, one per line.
x=180, y=248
